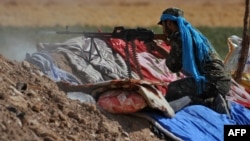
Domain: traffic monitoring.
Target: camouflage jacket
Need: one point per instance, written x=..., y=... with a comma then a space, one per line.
x=213, y=70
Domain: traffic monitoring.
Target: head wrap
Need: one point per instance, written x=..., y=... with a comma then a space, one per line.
x=172, y=11
x=190, y=35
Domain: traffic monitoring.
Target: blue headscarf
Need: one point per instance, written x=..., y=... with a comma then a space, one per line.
x=202, y=45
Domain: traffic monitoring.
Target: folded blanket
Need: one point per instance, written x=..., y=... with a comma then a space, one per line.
x=45, y=63
x=93, y=59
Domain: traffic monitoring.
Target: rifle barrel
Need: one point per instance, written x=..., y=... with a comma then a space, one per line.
x=105, y=34
x=87, y=34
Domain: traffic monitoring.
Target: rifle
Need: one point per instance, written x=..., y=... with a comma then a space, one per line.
x=128, y=35
x=120, y=32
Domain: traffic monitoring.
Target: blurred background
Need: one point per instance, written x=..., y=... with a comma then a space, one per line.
x=24, y=23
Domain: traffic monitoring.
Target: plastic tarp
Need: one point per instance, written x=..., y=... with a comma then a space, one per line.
x=198, y=123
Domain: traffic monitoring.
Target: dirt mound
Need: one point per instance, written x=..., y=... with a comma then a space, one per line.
x=32, y=107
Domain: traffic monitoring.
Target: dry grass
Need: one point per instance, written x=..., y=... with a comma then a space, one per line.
x=228, y=13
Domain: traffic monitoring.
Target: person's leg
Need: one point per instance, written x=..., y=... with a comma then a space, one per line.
x=215, y=97
x=182, y=93
x=180, y=88
x=220, y=105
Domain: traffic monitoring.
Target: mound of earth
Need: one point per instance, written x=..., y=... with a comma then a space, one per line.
x=32, y=107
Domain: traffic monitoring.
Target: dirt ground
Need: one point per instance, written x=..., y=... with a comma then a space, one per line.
x=32, y=107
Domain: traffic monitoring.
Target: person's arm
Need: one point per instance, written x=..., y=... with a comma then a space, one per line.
x=152, y=46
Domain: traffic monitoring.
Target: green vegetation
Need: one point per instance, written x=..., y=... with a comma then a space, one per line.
x=217, y=35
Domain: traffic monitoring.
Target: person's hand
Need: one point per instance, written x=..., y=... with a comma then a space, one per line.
x=151, y=46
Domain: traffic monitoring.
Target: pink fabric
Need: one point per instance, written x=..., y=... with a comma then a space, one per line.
x=156, y=68
x=151, y=70
x=119, y=45
x=238, y=94
x=120, y=101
